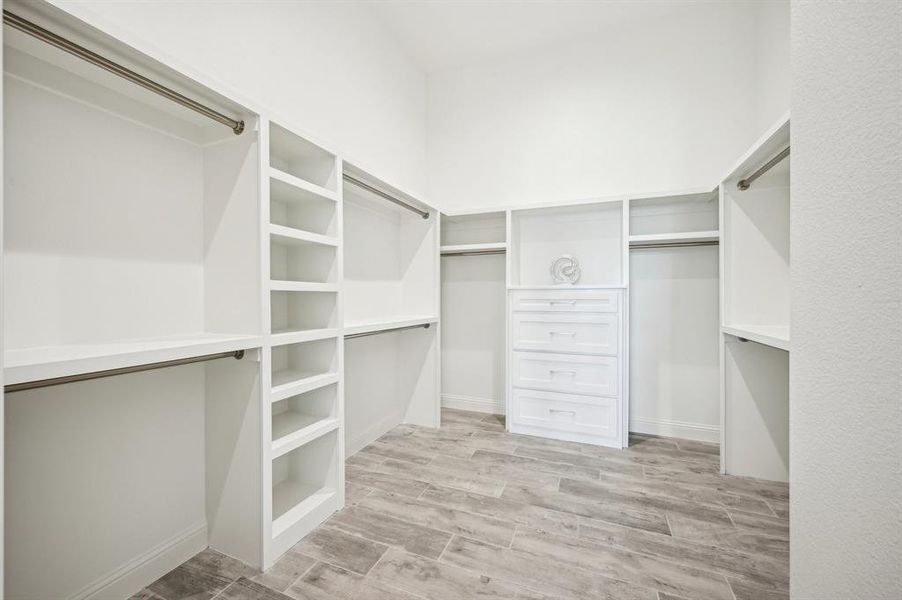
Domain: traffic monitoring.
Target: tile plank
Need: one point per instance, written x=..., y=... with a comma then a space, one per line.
x=438, y=581
x=444, y=518
x=379, y=527
x=341, y=549
x=328, y=582
x=612, y=511
x=618, y=563
x=546, y=574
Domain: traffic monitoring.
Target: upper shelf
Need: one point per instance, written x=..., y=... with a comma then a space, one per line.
x=662, y=238
x=775, y=336
x=387, y=324
x=459, y=248
x=302, y=184
x=48, y=362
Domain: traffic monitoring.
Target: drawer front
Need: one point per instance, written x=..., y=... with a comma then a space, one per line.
x=566, y=300
x=592, y=375
x=563, y=412
x=585, y=333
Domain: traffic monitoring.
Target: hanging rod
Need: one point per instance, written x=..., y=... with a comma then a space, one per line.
x=475, y=252
x=351, y=336
x=674, y=245
x=381, y=194
x=42, y=383
x=83, y=53
x=746, y=183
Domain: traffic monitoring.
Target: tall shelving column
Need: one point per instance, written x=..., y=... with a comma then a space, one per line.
x=755, y=308
x=303, y=454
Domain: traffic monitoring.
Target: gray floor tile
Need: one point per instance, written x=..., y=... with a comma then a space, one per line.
x=245, y=589
x=437, y=581
x=342, y=549
x=382, y=528
x=286, y=571
x=328, y=582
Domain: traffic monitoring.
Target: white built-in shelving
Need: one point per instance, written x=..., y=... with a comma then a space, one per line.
x=132, y=238
x=304, y=355
x=471, y=248
x=755, y=309
x=673, y=314
x=391, y=308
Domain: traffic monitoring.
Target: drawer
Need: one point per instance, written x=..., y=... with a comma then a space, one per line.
x=563, y=412
x=592, y=375
x=593, y=333
x=566, y=300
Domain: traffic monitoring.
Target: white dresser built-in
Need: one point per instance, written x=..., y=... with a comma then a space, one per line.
x=567, y=359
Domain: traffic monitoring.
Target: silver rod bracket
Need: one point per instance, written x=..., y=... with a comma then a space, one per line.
x=61, y=43
x=746, y=183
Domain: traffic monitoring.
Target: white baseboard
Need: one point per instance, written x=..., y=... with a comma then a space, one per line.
x=355, y=442
x=476, y=404
x=147, y=567
x=678, y=429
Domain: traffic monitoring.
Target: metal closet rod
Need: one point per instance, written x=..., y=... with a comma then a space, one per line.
x=381, y=194
x=475, y=252
x=42, y=383
x=34, y=30
x=366, y=333
x=674, y=245
x=746, y=183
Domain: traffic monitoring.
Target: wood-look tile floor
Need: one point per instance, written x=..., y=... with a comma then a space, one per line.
x=470, y=511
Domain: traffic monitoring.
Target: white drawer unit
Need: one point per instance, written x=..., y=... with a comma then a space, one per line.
x=577, y=374
x=565, y=300
x=566, y=362
x=584, y=333
x=568, y=413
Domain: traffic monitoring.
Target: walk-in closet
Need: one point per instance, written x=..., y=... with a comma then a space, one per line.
x=376, y=300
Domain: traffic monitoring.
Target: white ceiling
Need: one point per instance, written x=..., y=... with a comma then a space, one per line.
x=444, y=34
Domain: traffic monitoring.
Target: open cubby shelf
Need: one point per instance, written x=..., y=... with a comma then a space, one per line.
x=301, y=163
x=474, y=229
x=456, y=248
x=685, y=236
x=291, y=236
x=291, y=206
x=302, y=479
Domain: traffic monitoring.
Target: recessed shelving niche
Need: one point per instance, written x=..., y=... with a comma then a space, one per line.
x=592, y=233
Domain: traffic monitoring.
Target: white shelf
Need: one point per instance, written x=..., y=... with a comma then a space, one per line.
x=371, y=326
x=47, y=362
x=292, y=501
x=290, y=235
x=688, y=236
x=618, y=286
x=292, y=429
x=776, y=336
x=474, y=247
x=301, y=286
x=280, y=338
x=291, y=382
x=301, y=184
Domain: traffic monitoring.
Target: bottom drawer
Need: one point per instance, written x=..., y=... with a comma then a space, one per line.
x=587, y=415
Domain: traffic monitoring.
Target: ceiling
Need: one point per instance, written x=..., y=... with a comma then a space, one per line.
x=446, y=34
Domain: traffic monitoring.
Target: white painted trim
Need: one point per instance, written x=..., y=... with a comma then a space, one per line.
x=494, y=406
x=678, y=429
x=147, y=567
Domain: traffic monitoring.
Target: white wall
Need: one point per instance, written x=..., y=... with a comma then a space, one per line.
x=329, y=67
x=473, y=332
x=674, y=357
x=664, y=105
x=845, y=367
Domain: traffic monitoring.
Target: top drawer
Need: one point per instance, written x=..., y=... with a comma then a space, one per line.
x=566, y=300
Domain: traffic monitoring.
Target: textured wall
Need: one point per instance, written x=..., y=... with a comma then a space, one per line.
x=846, y=386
